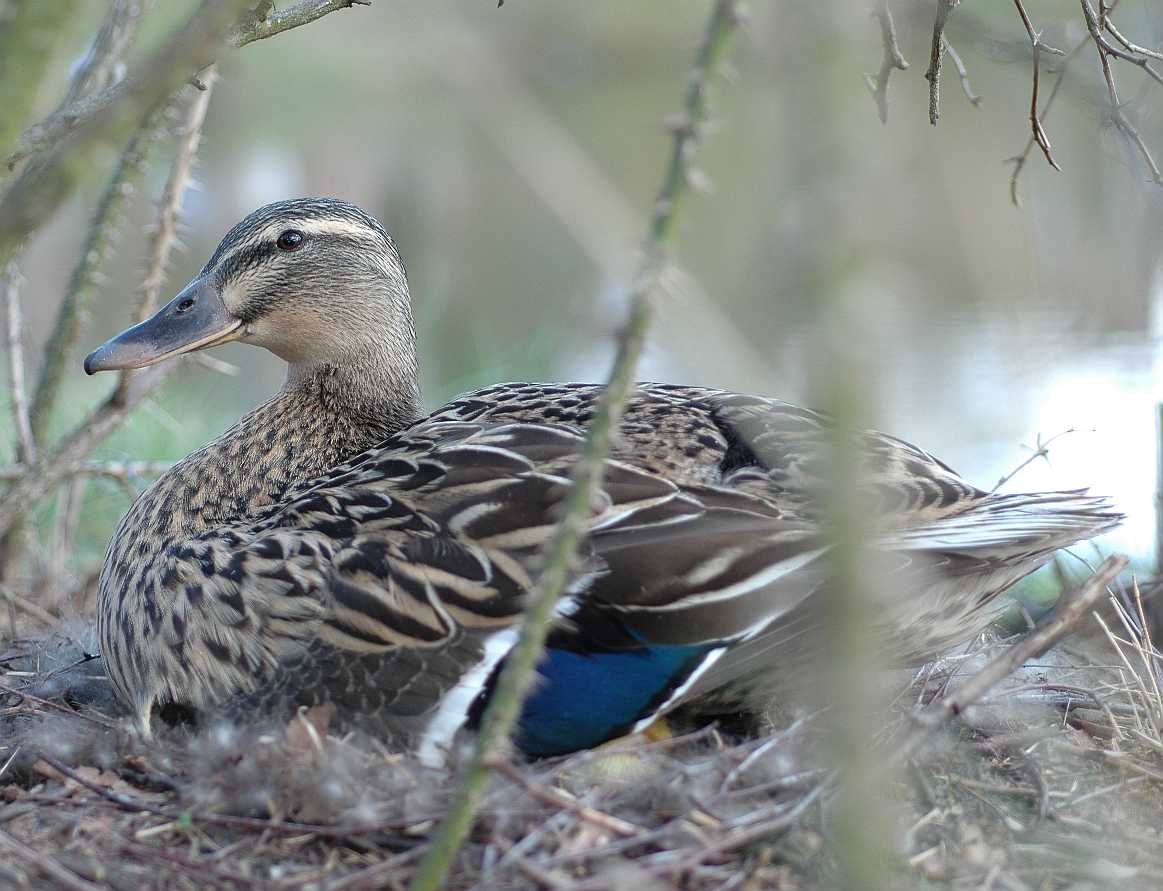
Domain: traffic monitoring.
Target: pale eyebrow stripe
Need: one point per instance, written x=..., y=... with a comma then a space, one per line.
x=327, y=226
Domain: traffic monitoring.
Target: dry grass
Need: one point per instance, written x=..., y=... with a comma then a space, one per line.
x=1052, y=782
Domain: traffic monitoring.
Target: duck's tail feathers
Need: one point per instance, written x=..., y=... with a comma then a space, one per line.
x=1013, y=527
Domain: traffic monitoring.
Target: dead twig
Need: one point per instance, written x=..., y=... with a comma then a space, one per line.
x=1065, y=617
x=556, y=798
x=45, y=864
x=962, y=74
x=121, y=471
x=1037, y=46
x=1041, y=450
x=893, y=59
x=29, y=608
x=1019, y=160
x=1095, y=25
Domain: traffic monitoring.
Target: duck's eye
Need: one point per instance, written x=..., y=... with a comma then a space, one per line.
x=291, y=240
x=186, y=305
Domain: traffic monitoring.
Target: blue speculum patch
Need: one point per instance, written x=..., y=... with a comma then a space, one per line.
x=584, y=699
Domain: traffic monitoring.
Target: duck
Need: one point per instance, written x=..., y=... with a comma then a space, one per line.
x=339, y=547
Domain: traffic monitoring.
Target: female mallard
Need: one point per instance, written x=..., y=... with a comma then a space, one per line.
x=334, y=546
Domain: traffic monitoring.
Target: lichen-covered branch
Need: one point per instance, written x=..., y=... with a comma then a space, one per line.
x=936, y=53
x=519, y=668
x=276, y=21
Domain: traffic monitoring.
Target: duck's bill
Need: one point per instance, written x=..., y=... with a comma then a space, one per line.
x=196, y=319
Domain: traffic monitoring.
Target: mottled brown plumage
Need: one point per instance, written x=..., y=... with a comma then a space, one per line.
x=332, y=547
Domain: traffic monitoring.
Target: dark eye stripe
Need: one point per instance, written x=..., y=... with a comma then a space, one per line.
x=245, y=259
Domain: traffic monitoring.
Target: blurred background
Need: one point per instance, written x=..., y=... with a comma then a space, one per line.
x=514, y=152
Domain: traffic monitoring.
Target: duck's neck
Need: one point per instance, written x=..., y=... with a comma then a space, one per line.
x=325, y=414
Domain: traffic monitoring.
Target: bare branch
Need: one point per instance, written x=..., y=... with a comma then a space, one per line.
x=165, y=234
x=14, y=342
x=1095, y=23
x=121, y=471
x=893, y=58
x=519, y=667
x=1039, y=133
x=77, y=132
x=101, y=69
x=937, y=50
x=962, y=74
x=100, y=240
x=1019, y=161
x=44, y=864
x=42, y=477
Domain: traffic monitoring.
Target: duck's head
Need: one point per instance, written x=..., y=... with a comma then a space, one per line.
x=316, y=281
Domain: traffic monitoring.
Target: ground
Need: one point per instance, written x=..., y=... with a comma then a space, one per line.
x=1054, y=782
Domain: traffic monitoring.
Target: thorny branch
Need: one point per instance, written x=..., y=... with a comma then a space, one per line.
x=105, y=226
x=73, y=132
x=518, y=673
x=165, y=234
x=71, y=140
x=40, y=478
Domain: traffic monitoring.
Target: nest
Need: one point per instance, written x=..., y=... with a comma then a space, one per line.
x=1053, y=781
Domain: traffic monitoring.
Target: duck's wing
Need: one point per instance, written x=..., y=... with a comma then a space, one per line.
x=409, y=567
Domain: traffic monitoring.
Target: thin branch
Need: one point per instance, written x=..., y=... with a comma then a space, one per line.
x=558, y=799
x=26, y=606
x=1036, y=128
x=519, y=668
x=278, y=21
x=1019, y=160
x=121, y=471
x=1128, y=45
x=893, y=59
x=1073, y=607
x=43, y=863
x=104, y=228
x=1041, y=450
x=1095, y=24
x=74, y=137
x=962, y=74
x=77, y=110
x=165, y=234
x=102, y=67
x=14, y=343
x=937, y=50
x=69, y=453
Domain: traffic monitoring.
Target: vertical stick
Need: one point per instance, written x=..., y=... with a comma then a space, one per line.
x=520, y=665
